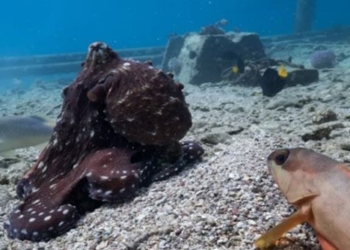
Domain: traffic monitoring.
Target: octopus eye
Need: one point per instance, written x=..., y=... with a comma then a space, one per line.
x=150, y=63
x=64, y=92
x=171, y=74
x=180, y=86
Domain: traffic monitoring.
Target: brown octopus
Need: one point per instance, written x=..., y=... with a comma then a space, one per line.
x=118, y=130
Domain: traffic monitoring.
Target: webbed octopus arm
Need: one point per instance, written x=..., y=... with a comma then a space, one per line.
x=120, y=174
x=109, y=175
x=41, y=215
x=192, y=151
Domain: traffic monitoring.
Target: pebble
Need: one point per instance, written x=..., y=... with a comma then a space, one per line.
x=251, y=222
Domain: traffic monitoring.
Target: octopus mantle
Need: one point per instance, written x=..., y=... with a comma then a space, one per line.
x=118, y=130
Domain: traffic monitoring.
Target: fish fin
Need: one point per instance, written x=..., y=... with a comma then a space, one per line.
x=270, y=237
x=13, y=154
x=45, y=119
x=325, y=244
x=304, y=197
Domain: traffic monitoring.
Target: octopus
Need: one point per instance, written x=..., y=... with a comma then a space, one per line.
x=119, y=129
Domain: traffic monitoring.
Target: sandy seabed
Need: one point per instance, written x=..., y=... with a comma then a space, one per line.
x=224, y=202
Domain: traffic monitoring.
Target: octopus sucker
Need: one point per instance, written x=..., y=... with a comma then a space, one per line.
x=119, y=129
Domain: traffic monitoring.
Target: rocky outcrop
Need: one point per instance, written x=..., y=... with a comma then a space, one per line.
x=203, y=58
x=302, y=77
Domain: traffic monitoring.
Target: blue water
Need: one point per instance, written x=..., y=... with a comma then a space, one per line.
x=36, y=27
x=51, y=26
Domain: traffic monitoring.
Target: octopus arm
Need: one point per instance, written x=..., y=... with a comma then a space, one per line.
x=99, y=92
x=45, y=213
x=192, y=151
x=111, y=175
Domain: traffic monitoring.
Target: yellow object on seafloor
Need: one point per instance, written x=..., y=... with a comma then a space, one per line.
x=235, y=69
x=282, y=71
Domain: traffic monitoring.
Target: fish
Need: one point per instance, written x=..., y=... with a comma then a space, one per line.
x=319, y=188
x=238, y=66
x=24, y=131
x=235, y=69
x=273, y=81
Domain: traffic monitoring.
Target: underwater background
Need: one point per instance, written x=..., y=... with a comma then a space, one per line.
x=31, y=27
x=256, y=77
x=41, y=27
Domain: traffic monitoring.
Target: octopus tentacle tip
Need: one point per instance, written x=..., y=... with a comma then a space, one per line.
x=120, y=123
x=97, y=93
x=37, y=223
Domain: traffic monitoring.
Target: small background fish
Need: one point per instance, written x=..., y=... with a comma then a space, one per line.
x=273, y=81
x=20, y=132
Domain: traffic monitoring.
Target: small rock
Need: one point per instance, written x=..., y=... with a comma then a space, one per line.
x=215, y=138
x=102, y=245
x=302, y=77
x=221, y=49
x=6, y=162
x=240, y=225
x=210, y=219
x=4, y=195
x=222, y=240
x=345, y=146
x=324, y=116
x=252, y=222
x=317, y=134
x=281, y=104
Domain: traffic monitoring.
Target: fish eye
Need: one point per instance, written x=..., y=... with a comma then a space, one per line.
x=282, y=157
